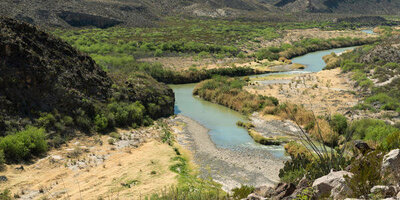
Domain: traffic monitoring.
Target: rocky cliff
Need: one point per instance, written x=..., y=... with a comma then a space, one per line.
x=40, y=73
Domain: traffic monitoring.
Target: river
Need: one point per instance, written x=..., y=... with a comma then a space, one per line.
x=221, y=121
x=234, y=142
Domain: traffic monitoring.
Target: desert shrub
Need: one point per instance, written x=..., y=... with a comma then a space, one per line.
x=295, y=169
x=242, y=191
x=306, y=194
x=47, y=120
x=266, y=54
x=111, y=141
x=366, y=174
x=338, y=122
x=2, y=161
x=392, y=141
x=24, y=145
x=229, y=92
x=83, y=122
x=5, y=195
x=125, y=114
x=370, y=129
x=350, y=66
x=100, y=123
x=115, y=135
x=386, y=102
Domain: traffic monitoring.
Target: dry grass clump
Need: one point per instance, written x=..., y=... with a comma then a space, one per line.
x=323, y=131
x=332, y=61
x=229, y=92
x=296, y=113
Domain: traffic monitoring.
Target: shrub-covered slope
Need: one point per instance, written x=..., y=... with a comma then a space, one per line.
x=46, y=82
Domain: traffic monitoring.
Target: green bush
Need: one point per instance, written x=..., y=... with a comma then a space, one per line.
x=242, y=191
x=100, y=123
x=387, y=102
x=366, y=174
x=47, y=120
x=5, y=195
x=24, y=145
x=370, y=129
x=338, y=123
x=392, y=141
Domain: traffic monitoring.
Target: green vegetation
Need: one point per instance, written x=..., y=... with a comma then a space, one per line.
x=367, y=174
x=242, y=192
x=23, y=145
x=229, y=92
x=165, y=75
x=308, y=45
x=380, y=96
x=5, y=195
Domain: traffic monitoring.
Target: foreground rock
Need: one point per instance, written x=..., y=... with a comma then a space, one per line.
x=391, y=166
x=384, y=191
x=332, y=185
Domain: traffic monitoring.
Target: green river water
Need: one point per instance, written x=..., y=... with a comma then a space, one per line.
x=221, y=121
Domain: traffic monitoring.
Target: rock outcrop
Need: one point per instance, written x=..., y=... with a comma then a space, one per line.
x=384, y=191
x=332, y=185
x=391, y=166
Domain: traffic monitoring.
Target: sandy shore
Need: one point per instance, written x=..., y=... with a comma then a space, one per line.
x=231, y=168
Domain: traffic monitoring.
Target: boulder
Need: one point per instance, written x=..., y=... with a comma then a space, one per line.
x=263, y=191
x=303, y=184
x=3, y=179
x=254, y=196
x=391, y=166
x=362, y=146
x=283, y=190
x=333, y=185
x=384, y=191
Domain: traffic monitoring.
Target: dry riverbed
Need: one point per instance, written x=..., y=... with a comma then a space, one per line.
x=229, y=167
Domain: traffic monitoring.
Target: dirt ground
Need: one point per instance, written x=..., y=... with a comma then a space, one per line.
x=118, y=171
x=328, y=91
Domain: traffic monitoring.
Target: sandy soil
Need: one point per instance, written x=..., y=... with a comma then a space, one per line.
x=118, y=171
x=229, y=167
x=328, y=91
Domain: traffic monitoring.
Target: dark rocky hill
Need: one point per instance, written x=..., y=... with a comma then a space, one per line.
x=107, y=13
x=369, y=7
x=43, y=74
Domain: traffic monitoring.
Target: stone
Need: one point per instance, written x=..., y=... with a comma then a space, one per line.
x=362, y=146
x=3, y=179
x=263, y=191
x=384, y=191
x=283, y=190
x=391, y=166
x=254, y=196
x=333, y=185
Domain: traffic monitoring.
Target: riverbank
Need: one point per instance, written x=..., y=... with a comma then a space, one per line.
x=229, y=167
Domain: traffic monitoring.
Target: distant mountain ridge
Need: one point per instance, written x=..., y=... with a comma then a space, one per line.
x=107, y=13
x=372, y=7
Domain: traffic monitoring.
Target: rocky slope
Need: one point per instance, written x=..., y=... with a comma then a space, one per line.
x=41, y=74
x=106, y=13
x=341, y=6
